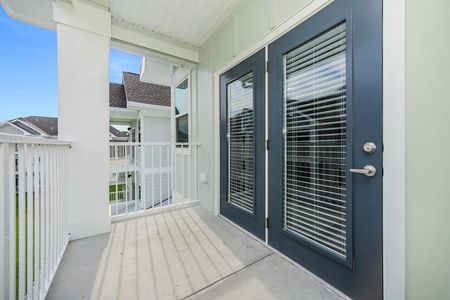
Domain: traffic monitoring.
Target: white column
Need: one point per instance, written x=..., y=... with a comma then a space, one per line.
x=83, y=36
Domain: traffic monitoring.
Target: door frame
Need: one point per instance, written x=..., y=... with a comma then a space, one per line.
x=394, y=100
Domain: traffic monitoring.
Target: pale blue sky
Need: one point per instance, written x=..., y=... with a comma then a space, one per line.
x=28, y=78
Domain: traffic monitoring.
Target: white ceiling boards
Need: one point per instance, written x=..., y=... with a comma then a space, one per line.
x=189, y=21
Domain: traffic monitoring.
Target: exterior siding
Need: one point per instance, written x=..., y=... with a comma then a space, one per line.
x=427, y=154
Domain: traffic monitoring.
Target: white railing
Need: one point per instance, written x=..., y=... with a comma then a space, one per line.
x=122, y=154
x=33, y=214
x=157, y=175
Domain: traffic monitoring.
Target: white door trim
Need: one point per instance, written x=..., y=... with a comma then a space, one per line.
x=393, y=134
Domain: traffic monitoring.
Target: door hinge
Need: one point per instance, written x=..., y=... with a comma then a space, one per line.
x=267, y=66
x=267, y=222
x=267, y=144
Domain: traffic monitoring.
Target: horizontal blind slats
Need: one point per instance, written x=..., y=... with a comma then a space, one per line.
x=315, y=139
x=240, y=134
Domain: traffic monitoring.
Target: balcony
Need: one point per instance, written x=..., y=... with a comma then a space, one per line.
x=157, y=249
x=185, y=253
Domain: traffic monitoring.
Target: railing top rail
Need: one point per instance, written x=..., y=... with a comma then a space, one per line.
x=21, y=139
x=151, y=144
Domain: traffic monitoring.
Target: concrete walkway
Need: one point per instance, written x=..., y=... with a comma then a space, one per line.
x=181, y=254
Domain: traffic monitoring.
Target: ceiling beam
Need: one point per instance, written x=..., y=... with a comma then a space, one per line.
x=122, y=31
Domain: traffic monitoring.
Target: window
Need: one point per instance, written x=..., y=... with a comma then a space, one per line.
x=182, y=112
x=315, y=144
x=240, y=133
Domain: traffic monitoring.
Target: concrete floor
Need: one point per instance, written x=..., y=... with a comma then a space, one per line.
x=181, y=254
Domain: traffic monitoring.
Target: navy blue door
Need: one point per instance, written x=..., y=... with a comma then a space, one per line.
x=242, y=91
x=325, y=159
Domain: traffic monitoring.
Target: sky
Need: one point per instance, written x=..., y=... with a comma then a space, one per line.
x=28, y=69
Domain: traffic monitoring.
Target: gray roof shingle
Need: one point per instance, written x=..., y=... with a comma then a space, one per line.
x=47, y=124
x=117, y=96
x=143, y=92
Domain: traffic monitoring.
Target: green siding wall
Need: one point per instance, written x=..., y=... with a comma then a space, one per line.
x=428, y=149
x=427, y=117
x=249, y=22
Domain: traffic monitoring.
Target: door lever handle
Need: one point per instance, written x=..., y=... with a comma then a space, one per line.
x=368, y=170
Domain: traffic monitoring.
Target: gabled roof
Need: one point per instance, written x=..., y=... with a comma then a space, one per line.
x=19, y=123
x=36, y=125
x=134, y=90
x=117, y=133
x=143, y=92
x=48, y=125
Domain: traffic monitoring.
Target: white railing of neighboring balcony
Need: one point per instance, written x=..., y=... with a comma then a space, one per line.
x=144, y=176
x=33, y=214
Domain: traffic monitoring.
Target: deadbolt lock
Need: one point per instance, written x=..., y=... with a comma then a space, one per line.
x=370, y=147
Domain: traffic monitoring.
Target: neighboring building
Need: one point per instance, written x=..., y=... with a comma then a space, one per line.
x=133, y=103
x=33, y=125
x=144, y=107
x=48, y=127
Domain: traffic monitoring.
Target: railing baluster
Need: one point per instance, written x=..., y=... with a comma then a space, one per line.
x=169, y=200
x=183, y=177
x=12, y=221
x=160, y=176
x=126, y=192
x=189, y=175
x=136, y=196
x=153, y=176
x=36, y=239
x=21, y=215
x=47, y=217
x=42, y=220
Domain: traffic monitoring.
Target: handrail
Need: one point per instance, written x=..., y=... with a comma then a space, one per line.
x=151, y=144
x=21, y=139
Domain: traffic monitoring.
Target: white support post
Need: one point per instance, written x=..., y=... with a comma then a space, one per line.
x=83, y=36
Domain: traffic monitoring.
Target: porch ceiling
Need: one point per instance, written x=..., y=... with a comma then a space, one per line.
x=189, y=21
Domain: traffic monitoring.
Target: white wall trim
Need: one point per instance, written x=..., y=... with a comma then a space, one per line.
x=16, y=14
x=138, y=105
x=81, y=15
x=393, y=133
x=137, y=36
x=302, y=15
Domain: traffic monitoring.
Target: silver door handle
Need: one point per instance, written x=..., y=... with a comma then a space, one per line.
x=368, y=170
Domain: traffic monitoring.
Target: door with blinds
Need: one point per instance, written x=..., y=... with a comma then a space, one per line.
x=325, y=159
x=242, y=91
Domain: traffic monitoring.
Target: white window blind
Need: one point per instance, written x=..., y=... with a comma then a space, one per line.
x=315, y=185
x=240, y=142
